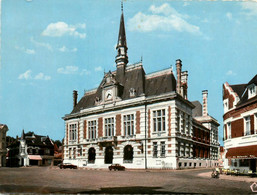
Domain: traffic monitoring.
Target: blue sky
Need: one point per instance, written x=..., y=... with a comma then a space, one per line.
x=51, y=47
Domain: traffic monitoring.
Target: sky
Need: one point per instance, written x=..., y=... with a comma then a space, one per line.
x=51, y=47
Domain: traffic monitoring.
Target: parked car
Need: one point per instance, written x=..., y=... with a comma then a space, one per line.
x=116, y=167
x=67, y=166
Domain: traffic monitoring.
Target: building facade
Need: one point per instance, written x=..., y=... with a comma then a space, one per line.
x=138, y=120
x=31, y=149
x=240, y=125
x=3, y=150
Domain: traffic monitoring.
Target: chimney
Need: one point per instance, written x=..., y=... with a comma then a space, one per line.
x=184, y=77
x=75, y=97
x=179, y=66
x=205, y=102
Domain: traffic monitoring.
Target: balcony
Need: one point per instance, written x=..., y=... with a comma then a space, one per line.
x=110, y=140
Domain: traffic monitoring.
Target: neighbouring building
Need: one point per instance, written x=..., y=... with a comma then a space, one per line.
x=3, y=150
x=30, y=149
x=240, y=125
x=140, y=120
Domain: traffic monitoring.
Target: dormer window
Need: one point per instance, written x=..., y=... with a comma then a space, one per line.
x=132, y=92
x=97, y=101
x=251, y=91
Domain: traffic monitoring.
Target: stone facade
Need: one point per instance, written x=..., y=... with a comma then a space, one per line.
x=139, y=120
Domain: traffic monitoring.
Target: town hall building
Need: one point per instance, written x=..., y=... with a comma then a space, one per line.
x=140, y=120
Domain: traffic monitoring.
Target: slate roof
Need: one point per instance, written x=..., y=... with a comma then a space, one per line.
x=38, y=140
x=133, y=78
x=239, y=89
x=244, y=98
x=197, y=111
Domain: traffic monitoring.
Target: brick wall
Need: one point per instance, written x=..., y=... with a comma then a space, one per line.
x=230, y=97
x=118, y=124
x=138, y=122
x=100, y=127
x=85, y=129
x=237, y=128
x=238, y=112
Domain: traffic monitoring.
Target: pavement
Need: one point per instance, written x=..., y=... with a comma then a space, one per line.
x=231, y=177
x=51, y=180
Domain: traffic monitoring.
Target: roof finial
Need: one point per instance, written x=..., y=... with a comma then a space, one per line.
x=121, y=5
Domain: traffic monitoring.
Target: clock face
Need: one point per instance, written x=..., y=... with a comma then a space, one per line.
x=108, y=94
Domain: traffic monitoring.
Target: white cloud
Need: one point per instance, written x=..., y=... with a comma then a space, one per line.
x=171, y=20
x=27, y=51
x=229, y=15
x=230, y=73
x=41, y=76
x=250, y=8
x=41, y=44
x=85, y=72
x=59, y=29
x=65, y=49
x=98, y=69
x=26, y=75
x=68, y=70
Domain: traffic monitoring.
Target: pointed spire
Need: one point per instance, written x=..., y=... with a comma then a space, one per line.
x=122, y=56
x=122, y=42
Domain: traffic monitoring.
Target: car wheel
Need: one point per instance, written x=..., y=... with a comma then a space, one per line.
x=110, y=168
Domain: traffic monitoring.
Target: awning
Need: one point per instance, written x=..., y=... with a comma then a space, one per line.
x=35, y=157
x=242, y=152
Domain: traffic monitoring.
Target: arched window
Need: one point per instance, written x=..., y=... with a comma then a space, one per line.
x=128, y=154
x=91, y=155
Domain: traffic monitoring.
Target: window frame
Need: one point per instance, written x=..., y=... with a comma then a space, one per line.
x=73, y=131
x=155, y=150
x=92, y=129
x=159, y=120
x=110, y=131
x=128, y=123
x=247, y=123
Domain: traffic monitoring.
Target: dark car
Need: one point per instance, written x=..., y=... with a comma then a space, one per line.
x=116, y=167
x=67, y=166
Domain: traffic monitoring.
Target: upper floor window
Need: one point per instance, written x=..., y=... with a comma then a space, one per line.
x=128, y=122
x=159, y=120
x=251, y=91
x=247, y=125
x=178, y=120
x=73, y=132
x=229, y=131
x=109, y=126
x=225, y=105
x=92, y=129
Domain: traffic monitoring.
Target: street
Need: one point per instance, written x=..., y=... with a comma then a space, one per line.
x=53, y=180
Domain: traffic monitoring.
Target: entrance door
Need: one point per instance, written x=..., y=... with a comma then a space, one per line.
x=253, y=165
x=108, y=155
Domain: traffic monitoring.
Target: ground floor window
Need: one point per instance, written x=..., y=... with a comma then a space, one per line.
x=128, y=154
x=244, y=163
x=155, y=151
x=91, y=155
x=162, y=149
